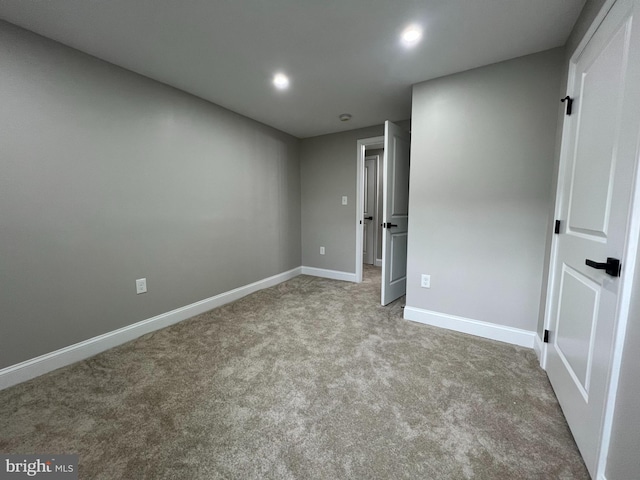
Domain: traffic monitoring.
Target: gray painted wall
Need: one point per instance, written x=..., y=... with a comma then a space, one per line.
x=481, y=171
x=589, y=12
x=108, y=176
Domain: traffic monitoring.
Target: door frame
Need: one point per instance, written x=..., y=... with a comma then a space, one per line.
x=363, y=144
x=631, y=252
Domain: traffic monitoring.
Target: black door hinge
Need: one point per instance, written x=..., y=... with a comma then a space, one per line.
x=556, y=230
x=546, y=336
x=569, y=101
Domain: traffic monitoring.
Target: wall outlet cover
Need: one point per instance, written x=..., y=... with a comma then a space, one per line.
x=141, y=286
x=425, y=281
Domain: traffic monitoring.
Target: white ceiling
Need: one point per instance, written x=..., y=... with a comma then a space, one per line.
x=341, y=55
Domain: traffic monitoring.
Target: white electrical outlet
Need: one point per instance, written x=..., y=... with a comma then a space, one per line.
x=321, y=250
x=425, y=281
x=141, y=286
x=344, y=200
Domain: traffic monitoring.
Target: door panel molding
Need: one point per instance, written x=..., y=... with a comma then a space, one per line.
x=398, y=273
x=570, y=353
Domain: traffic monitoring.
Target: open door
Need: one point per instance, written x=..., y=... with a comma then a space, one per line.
x=598, y=163
x=395, y=215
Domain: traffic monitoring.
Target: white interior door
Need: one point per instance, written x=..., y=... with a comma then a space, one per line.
x=597, y=171
x=368, y=215
x=395, y=215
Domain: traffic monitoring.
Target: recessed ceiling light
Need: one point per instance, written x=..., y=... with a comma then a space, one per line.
x=411, y=36
x=344, y=117
x=281, y=81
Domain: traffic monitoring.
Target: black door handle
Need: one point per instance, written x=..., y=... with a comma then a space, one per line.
x=389, y=225
x=368, y=218
x=612, y=267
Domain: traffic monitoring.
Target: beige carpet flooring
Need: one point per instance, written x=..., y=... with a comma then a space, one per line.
x=310, y=379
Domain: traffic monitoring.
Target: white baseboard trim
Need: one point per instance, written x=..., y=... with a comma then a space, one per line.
x=538, y=347
x=378, y=262
x=333, y=274
x=48, y=362
x=514, y=336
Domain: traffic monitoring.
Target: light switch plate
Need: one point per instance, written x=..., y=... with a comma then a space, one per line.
x=344, y=200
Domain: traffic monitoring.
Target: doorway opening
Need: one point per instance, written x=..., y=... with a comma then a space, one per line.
x=382, y=199
x=372, y=208
x=370, y=157
x=372, y=216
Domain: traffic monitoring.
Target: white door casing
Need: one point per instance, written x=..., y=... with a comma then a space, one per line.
x=368, y=216
x=395, y=215
x=596, y=181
